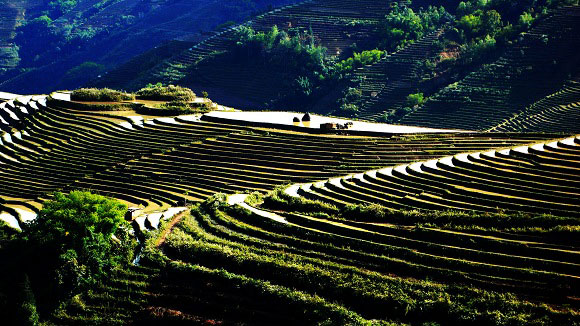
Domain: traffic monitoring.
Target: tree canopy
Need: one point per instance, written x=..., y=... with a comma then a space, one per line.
x=78, y=238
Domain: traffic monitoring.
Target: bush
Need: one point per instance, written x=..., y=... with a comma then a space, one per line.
x=416, y=99
x=78, y=238
x=394, y=115
x=348, y=110
x=359, y=60
x=403, y=26
x=348, y=105
x=159, y=92
x=100, y=95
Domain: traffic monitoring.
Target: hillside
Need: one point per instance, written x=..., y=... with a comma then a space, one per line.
x=456, y=73
x=335, y=25
x=165, y=161
x=457, y=236
x=290, y=162
x=538, y=65
x=94, y=36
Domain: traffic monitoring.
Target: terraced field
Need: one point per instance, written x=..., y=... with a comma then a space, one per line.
x=168, y=162
x=537, y=65
x=556, y=112
x=386, y=84
x=286, y=259
x=537, y=178
x=335, y=24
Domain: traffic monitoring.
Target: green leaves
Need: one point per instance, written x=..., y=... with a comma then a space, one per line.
x=359, y=59
x=402, y=25
x=72, y=239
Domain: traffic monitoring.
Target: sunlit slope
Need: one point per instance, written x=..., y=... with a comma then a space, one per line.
x=543, y=177
x=168, y=161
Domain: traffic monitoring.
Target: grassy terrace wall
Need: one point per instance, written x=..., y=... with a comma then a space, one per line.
x=336, y=264
x=556, y=112
x=378, y=272
x=539, y=178
x=163, y=163
x=386, y=84
x=225, y=264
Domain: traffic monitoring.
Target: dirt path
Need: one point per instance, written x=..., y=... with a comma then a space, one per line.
x=176, y=219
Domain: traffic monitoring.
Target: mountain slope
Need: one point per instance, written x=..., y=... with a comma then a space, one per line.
x=117, y=32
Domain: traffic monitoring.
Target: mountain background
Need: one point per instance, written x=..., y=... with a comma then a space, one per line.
x=50, y=45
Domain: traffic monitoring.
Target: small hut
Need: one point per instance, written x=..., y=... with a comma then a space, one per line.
x=306, y=117
x=296, y=119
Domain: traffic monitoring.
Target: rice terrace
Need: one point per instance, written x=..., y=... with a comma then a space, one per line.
x=290, y=162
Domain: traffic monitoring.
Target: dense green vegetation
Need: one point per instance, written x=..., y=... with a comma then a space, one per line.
x=177, y=107
x=339, y=260
x=402, y=25
x=450, y=219
x=100, y=95
x=79, y=73
x=55, y=36
x=78, y=239
x=158, y=92
x=358, y=60
x=218, y=236
x=294, y=55
x=241, y=224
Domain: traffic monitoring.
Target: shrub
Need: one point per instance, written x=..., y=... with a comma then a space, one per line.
x=78, y=238
x=348, y=110
x=278, y=199
x=176, y=107
x=26, y=313
x=100, y=95
x=159, y=92
x=349, y=104
x=358, y=60
x=394, y=115
x=402, y=25
x=415, y=99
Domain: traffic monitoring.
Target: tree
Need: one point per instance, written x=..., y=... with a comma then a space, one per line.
x=79, y=74
x=526, y=20
x=78, y=238
x=61, y=7
x=416, y=99
x=402, y=25
x=491, y=22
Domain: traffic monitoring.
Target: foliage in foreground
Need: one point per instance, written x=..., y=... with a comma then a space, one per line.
x=220, y=237
x=76, y=241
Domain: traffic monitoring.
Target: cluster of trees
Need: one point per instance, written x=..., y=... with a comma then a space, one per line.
x=478, y=29
x=77, y=75
x=296, y=55
x=482, y=25
x=75, y=242
x=350, y=102
x=100, y=95
x=61, y=7
x=412, y=102
x=402, y=25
